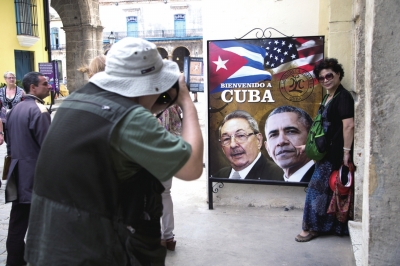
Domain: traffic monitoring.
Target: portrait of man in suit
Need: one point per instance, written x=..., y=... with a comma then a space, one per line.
x=241, y=142
x=285, y=128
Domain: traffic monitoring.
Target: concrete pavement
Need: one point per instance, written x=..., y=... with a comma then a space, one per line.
x=228, y=235
x=240, y=236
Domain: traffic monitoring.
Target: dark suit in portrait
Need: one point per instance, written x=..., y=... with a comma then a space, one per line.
x=307, y=176
x=263, y=169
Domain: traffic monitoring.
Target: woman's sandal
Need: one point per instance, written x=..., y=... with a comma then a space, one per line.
x=311, y=235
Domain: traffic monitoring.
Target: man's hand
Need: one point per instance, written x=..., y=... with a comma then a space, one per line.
x=191, y=133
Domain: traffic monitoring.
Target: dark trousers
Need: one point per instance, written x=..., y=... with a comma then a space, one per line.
x=19, y=218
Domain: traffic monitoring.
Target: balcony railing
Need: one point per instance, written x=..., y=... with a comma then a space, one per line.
x=157, y=34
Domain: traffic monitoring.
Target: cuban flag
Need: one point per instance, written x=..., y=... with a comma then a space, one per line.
x=235, y=62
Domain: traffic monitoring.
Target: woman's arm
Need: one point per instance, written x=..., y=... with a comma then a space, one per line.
x=348, y=136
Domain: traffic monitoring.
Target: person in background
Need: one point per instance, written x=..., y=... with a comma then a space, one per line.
x=171, y=120
x=27, y=126
x=195, y=97
x=338, y=117
x=10, y=95
x=97, y=64
x=285, y=128
x=98, y=201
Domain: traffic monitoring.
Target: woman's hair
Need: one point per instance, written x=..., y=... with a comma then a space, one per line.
x=8, y=72
x=331, y=63
x=97, y=64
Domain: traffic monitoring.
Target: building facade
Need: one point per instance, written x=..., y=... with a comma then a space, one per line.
x=58, y=42
x=175, y=27
x=24, y=28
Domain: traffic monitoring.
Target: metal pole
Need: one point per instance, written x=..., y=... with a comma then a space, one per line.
x=47, y=28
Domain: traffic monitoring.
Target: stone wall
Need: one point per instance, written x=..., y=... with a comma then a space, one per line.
x=358, y=74
x=83, y=31
x=381, y=215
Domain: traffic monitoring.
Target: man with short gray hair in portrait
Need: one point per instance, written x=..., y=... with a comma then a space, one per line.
x=241, y=142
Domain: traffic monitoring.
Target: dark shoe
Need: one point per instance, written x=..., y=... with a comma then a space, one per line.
x=311, y=235
x=169, y=244
x=195, y=101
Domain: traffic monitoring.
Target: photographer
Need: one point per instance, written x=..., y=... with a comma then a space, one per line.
x=97, y=199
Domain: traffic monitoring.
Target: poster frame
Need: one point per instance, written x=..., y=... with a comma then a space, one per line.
x=215, y=183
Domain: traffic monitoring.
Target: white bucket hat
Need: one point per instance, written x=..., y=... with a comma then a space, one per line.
x=135, y=68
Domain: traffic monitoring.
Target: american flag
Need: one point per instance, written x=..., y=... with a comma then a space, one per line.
x=283, y=54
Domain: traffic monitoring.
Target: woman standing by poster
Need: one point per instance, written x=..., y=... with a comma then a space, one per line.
x=338, y=116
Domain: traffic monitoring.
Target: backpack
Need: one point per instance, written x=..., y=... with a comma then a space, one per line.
x=317, y=142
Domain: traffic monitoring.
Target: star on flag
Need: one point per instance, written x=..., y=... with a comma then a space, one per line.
x=220, y=63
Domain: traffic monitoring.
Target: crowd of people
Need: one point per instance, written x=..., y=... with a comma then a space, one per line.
x=122, y=226
x=102, y=194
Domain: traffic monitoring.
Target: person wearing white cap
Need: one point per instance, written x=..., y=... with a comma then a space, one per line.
x=97, y=192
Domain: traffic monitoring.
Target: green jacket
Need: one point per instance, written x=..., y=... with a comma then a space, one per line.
x=81, y=213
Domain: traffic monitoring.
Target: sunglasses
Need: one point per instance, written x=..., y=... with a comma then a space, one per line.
x=327, y=77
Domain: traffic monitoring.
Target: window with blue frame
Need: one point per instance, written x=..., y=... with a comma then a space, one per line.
x=26, y=17
x=132, y=26
x=180, y=25
x=55, y=45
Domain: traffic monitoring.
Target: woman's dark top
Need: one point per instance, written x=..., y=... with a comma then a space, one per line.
x=339, y=108
x=6, y=104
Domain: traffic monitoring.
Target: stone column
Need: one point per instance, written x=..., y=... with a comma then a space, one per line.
x=358, y=80
x=381, y=209
x=99, y=38
x=82, y=45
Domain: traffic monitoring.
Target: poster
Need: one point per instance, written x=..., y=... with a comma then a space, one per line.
x=51, y=72
x=193, y=70
x=248, y=79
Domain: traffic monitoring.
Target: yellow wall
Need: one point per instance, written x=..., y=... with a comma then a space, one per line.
x=336, y=23
x=8, y=31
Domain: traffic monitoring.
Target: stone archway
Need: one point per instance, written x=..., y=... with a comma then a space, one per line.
x=163, y=53
x=178, y=55
x=83, y=34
